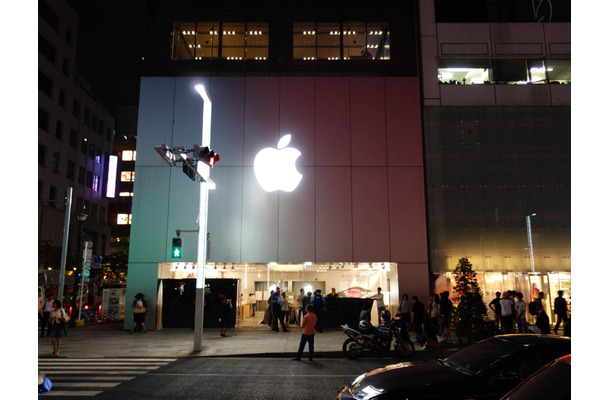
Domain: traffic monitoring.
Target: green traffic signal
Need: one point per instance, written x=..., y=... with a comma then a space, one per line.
x=177, y=248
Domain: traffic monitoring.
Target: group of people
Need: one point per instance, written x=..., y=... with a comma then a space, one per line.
x=431, y=322
x=280, y=308
x=53, y=319
x=510, y=309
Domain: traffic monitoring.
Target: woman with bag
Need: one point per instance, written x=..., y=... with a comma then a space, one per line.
x=57, y=319
x=139, y=312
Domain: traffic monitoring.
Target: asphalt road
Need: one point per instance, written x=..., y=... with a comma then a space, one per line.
x=226, y=378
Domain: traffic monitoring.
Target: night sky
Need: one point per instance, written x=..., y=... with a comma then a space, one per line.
x=108, y=52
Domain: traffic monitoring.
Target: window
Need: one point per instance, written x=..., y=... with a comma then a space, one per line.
x=98, y=155
x=94, y=211
x=126, y=194
x=102, y=214
x=62, y=98
x=108, y=134
x=502, y=71
x=68, y=36
x=92, y=150
x=123, y=219
x=46, y=49
x=81, y=175
x=227, y=40
x=94, y=122
x=65, y=66
x=52, y=195
x=127, y=176
x=43, y=120
x=84, y=146
x=42, y=152
x=89, y=182
x=96, y=183
x=100, y=127
x=87, y=117
x=55, y=162
x=59, y=129
x=45, y=84
x=48, y=15
x=128, y=155
x=70, y=170
x=76, y=109
x=73, y=138
x=341, y=41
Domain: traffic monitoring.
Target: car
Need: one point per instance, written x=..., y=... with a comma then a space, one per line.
x=553, y=381
x=484, y=370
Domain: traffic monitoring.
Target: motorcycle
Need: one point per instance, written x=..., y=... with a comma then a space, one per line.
x=379, y=340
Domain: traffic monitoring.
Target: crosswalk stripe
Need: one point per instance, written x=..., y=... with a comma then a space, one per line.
x=93, y=378
x=85, y=384
x=135, y=360
x=102, y=367
x=137, y=372
x=103, y=364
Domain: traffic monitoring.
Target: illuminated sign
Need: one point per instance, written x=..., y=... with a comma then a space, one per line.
x=275, y=168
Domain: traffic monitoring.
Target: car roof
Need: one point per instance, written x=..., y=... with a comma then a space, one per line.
x=529, y=339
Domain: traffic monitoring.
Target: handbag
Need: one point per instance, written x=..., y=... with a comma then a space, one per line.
x=139, y=310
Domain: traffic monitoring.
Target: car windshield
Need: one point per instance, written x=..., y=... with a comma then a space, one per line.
x=481, y=357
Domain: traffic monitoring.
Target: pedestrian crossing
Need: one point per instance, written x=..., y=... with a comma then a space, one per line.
x=86, y=377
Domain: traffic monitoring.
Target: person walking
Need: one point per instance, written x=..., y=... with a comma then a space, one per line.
x=225, y=315
x=404, y=310
x=318, y=301
x=301, y=306
x=310, y=321
x=506, y=312
x=380, y=304
x=47, y=307
x=139, y=312
x=57, y=321
x=560, y=307
x=520, y=307
x=495, y=307
x=417, y=316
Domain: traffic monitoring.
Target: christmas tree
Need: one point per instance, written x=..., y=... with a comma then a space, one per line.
x=471, y=312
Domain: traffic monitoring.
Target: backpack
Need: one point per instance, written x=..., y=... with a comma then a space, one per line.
x=317, y=301
x=532, y=308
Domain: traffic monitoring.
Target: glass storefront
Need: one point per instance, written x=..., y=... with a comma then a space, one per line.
x=528, y=283
x=255, y=281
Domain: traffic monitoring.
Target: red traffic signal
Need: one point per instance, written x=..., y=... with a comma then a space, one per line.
x=206, y=155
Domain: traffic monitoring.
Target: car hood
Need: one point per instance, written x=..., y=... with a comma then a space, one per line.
x=405, y=376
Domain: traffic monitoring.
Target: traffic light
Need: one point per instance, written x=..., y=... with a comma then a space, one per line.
x=206, y=155
x=190, y=169
x=177, y=247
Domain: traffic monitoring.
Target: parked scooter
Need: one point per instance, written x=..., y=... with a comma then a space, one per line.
x=369, y=338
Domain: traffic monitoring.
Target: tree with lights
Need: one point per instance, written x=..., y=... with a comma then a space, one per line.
x=471, y=314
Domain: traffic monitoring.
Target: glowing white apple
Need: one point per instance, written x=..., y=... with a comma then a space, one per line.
x=275, y=168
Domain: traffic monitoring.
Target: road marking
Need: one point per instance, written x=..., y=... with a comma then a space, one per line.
x=84, y=384
x=72, y=393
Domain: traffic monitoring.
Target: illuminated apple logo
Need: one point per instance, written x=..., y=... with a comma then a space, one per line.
x=275, y=168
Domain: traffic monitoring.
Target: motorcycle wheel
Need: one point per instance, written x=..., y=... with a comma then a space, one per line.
x=351, y=349
x=404, y=349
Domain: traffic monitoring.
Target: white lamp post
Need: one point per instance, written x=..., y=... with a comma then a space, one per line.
x=528, y=224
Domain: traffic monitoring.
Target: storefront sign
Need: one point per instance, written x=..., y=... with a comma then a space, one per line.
x=275, y=168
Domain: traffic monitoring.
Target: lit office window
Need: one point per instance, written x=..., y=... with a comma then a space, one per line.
x=126, y=194
x=228, y=40
x=127, y=176
x=128, y=155
x=123, y=219
x=340, y=41
x=96, y=183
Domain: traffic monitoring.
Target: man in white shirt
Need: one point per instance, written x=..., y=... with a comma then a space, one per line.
x=47, y=307
x=380, y=304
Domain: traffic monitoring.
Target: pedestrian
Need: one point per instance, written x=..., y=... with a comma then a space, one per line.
x=506, y=312
x=285, y=309
x=404, y=310
x=520, y=307
x=365, y=314
x=495, y=306
x=380, y=304
x=434, y=312
x=226, y=320
x=276, y=309
x=301, y=310
x=310, y=321
x=57, y=320
x=139, y=312
x=446, y=309
x=560, y=307
x=318, y=302
x=252, y=301
x=47, y=307
x=333, y=294
x=417, y=316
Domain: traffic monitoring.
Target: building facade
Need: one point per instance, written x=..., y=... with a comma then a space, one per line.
x=496, y=101
x=75, y=136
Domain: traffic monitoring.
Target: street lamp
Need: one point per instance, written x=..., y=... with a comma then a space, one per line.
x=528, y=224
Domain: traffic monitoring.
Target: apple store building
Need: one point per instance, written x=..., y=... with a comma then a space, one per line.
x=319, y=186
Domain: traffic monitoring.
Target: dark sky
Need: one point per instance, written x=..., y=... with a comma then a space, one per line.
x=108, y=52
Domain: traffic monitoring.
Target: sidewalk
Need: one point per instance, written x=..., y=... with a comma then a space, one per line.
x=110, y=340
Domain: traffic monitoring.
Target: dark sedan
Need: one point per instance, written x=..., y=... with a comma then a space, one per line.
x=485, y=370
